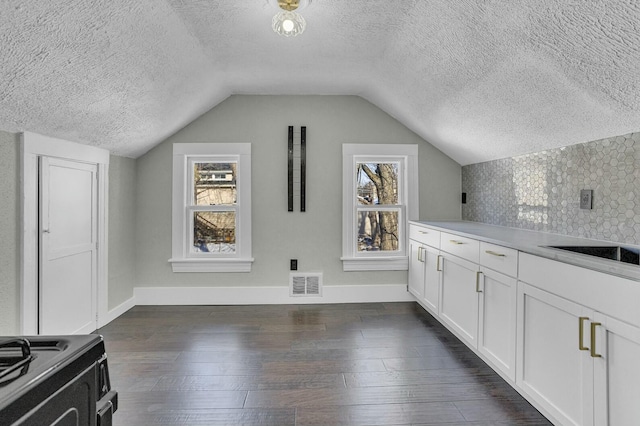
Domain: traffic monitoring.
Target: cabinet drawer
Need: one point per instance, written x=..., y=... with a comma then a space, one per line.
x=498, y=258
x=463, y=247
x=611, y=295
x=423, y=235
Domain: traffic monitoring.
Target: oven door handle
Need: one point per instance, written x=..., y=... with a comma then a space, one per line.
x=106, y=407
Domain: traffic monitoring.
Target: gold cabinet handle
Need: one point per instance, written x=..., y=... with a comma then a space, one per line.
x=438, y=265
x=581, y=321
x=423, y=232
x=455, y=242
x=495, y=253
x=593, y=340
x=478, y=274
x=420, y=254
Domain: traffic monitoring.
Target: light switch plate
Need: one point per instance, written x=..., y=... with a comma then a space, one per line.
x=586, y=199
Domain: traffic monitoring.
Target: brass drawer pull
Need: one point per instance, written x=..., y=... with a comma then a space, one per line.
x=593, y=340
x=581, y=321
x=495, y=253
x=423, y=232
x=455, y=242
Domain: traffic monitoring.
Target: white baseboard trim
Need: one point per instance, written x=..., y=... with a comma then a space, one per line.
x=269, y=295
x=117, y=311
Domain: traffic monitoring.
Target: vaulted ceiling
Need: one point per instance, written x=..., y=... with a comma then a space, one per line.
x=479, y=79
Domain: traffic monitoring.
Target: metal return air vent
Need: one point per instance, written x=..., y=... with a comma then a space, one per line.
x=305, y=284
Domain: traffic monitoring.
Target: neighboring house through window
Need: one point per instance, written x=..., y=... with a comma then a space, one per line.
x=380, y=195
x=211, y=223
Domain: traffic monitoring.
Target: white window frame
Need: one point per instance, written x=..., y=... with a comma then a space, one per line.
x=407, y=156
x=182, y=257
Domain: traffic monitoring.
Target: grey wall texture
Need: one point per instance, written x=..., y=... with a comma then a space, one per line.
x=313, y=237
x=9, y=233
x=541, y=191
x=122, y=214
x=121, y=232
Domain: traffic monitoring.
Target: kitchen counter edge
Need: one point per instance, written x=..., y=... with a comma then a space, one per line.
x=535, y=242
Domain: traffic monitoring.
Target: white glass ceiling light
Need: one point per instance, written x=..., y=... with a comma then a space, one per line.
x=287, y=22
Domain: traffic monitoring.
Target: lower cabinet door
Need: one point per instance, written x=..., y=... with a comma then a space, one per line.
x=616, y=356
x=554, y=367
x=432, y=279
x=497, y=321
x=459, y=298
x=416, y=269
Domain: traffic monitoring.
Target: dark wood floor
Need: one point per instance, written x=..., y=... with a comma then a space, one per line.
x=352, y=364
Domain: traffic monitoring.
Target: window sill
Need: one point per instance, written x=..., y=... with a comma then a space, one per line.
x=378, y=263
x=211, y=265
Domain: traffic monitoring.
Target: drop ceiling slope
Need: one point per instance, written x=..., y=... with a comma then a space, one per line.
x=475, y=78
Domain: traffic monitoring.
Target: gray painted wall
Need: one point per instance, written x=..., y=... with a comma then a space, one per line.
x=140, y=196
x=122, y=213
x=541, y=191
x=121, y=232
x=313, y=237
x=9, y=233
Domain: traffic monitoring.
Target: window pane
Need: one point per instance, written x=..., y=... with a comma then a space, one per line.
x=214, y=232
x=377, y=183
x=214, y=183
x=377, y=230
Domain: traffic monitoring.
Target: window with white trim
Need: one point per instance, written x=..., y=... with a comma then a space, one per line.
x=380, y=196
x=211, y=215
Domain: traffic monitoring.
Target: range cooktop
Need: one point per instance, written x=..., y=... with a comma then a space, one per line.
x=37, y=371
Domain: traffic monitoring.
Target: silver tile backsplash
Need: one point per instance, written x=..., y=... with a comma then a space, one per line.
x=541, y=191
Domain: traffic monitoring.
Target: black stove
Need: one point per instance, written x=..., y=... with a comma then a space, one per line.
x=55, y=380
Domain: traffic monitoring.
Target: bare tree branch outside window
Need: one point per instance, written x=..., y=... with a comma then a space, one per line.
x=377, y=184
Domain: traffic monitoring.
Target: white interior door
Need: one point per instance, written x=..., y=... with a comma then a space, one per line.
x=68, y=250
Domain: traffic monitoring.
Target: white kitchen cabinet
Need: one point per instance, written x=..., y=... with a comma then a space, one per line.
x=426, y=236
x=459, y=297
x=566, y=337
x=616, y=357
x=463, y=247
x=416, y=269
x=432, y=277
x=477, y=303
x=497, y=320
x=424, y=273
x=497, y=307
x=578, y=343
x=551, y=368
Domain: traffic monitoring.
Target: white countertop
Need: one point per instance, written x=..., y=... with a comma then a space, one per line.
x=534, y=242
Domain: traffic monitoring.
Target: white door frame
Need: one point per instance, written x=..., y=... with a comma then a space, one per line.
x=33, y=146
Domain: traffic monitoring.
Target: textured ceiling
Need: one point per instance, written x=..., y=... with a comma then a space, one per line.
x=477, y=79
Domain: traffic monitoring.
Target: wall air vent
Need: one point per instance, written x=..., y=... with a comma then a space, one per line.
x=305, y=284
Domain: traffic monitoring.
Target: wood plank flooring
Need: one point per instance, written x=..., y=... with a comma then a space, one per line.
x=351, y=364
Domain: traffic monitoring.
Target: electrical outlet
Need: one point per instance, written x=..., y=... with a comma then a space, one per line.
x=586, y=199
x=293, y=265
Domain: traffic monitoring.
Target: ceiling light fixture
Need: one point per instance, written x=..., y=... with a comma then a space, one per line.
x=287, y=22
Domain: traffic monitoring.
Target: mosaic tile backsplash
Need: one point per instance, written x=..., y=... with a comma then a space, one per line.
x=541, y=191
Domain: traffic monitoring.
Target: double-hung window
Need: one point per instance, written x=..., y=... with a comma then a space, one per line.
x=211, y=223
x=380, y=195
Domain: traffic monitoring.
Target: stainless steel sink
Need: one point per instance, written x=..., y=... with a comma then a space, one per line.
x=618, y=253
